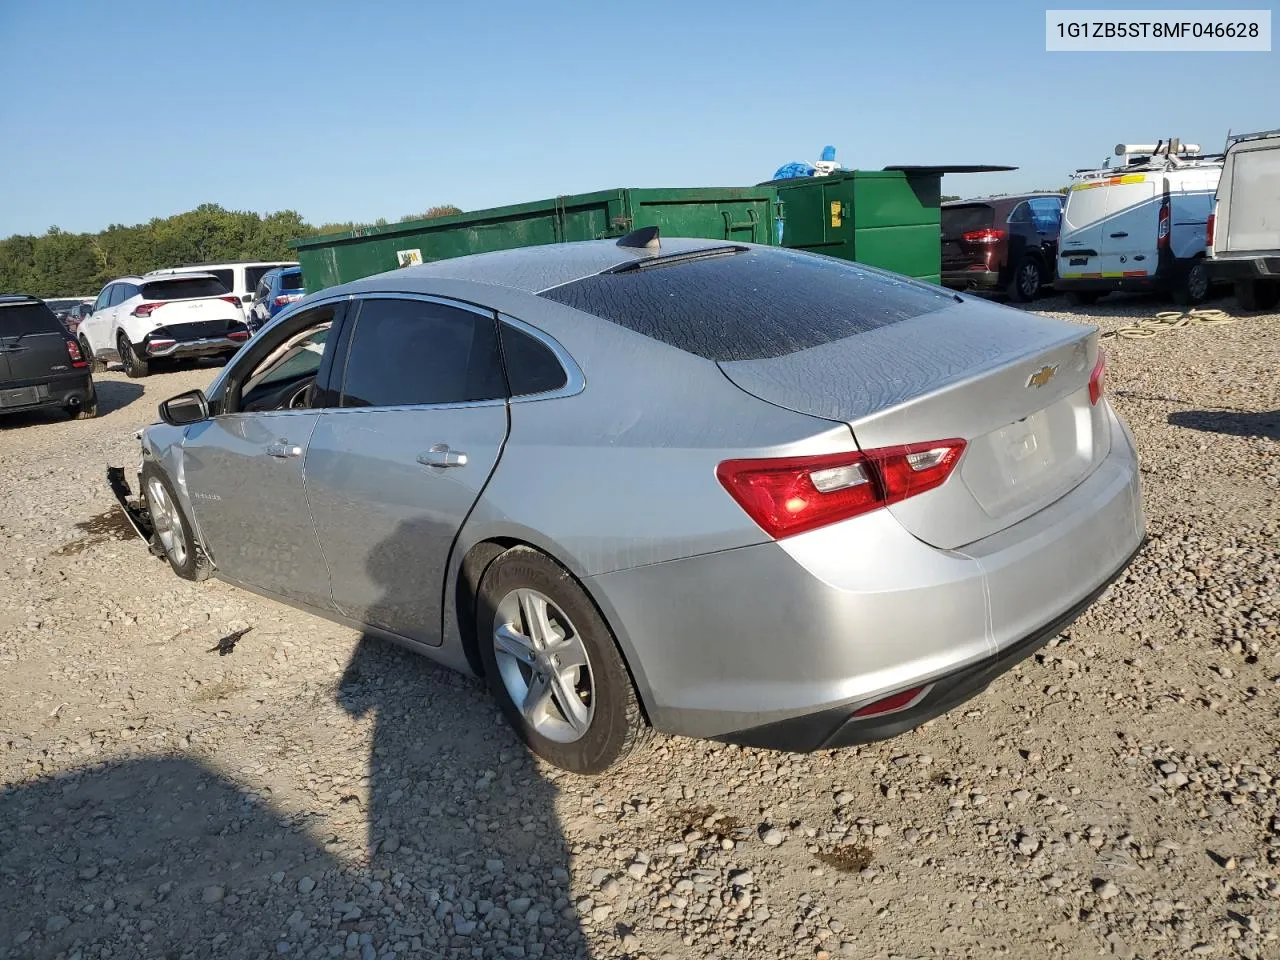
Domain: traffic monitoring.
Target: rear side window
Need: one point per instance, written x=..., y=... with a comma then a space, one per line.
x=22, y=319
x=183, y=288
x=957, y=221
x=406, y=352
x=531, y=366
x=291, y=281
x=252, y=275
x=119, y=294
x=753, y=305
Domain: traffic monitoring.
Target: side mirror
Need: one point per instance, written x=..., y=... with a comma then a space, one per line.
x=185, y=408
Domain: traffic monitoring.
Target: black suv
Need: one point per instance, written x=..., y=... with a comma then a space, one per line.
x=40, y=362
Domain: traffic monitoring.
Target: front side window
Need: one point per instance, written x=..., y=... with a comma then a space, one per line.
x=1047, y=212
x=285, y=376
x=407, y=352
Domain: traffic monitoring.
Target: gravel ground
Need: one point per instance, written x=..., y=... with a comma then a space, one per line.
x=192, y=771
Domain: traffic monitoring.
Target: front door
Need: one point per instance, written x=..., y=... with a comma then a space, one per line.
x=244, y=468
x=393, y=472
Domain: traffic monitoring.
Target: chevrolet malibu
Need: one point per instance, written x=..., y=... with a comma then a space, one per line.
x=721, y=490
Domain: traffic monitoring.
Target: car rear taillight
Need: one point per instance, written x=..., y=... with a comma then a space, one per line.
x=146, y=309
x=1098, y=379
x=231, y=299
x=238, y=335
x=790, y=495
x=77, y=358
x=1208, y=230
x=286, y=299
x=985, y=235
x=1162, y=226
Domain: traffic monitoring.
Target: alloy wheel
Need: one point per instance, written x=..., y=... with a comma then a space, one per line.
x=544, y=665
x=167, y=522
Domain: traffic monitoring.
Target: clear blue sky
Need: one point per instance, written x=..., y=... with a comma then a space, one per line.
x=118, y=112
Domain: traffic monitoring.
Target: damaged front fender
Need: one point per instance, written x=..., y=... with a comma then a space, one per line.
x=135, y=509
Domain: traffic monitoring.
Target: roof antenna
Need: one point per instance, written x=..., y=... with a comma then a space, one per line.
x=646, y=238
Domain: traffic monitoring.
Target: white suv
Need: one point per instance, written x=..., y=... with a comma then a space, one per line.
x=140, y=319
x=240, y=278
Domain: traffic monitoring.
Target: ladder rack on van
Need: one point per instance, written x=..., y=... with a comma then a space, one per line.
x=1234, y=138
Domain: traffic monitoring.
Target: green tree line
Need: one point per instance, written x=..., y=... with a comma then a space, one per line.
x=63, y=264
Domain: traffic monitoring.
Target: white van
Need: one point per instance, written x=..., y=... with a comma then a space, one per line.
x=1139, y=225
x=239, y=277
x=1244, y=231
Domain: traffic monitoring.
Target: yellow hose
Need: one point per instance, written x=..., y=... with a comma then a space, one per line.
x=1170, y=320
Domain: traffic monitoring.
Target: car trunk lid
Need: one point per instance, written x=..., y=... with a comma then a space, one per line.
x=960, y=224
x=33, y=343
x=1013, y=386
x=190, y=307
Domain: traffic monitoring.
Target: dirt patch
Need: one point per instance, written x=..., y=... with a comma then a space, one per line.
x=851, y=859
x=99, y=529
x=217, y=690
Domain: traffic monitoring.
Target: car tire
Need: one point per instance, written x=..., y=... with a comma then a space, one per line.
x=134, y=366
x=173, y=529
x=1084, y=298
x=1193, y=286
x=87, y=410
x=1255, y=295
x=86, y=351
x=1027, y=280
x=607, y=723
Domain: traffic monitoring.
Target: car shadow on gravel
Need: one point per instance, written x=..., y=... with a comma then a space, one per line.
x=115, y=395
x=1231, y=422
x=444, y=841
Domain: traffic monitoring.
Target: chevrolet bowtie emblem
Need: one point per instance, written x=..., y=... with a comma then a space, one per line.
x=1041, y=377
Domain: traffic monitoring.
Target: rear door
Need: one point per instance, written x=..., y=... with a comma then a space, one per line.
x=34, y=344
x=1080, y=241
x=1251, y=221
x=1128, y=236
x=393, y=473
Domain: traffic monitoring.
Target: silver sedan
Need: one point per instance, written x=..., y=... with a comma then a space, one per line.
x=712, y=489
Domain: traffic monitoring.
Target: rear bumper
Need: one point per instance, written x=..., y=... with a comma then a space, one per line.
x=971, y=279
x=204, y=347
x=838, y=728
x=62, y=392
x=778, y=644
x=1243, y=268
x=1103, y=284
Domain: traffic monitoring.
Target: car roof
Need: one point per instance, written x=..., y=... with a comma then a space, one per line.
x=1010, y=199
x=533, y=269
x=8, y=299
x=228, y=263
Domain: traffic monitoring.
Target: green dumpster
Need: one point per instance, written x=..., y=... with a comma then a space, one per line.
x=884, y=218
x=722, y=213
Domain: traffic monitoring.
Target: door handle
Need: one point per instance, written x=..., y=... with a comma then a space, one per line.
x=441, y=456
x=1119, y=235
x=283, y=450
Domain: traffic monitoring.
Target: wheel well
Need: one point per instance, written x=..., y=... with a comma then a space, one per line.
x=470, y=575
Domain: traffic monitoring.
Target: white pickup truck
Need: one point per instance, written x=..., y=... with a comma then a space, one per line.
x=1243, y=234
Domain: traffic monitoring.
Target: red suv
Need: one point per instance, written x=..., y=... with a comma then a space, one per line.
x=1008, y=244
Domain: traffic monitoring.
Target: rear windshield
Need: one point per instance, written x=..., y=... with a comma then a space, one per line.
x=960, y=220
x=21, y=319
x=291, y=280
x=183, y=288
x=752, y=305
